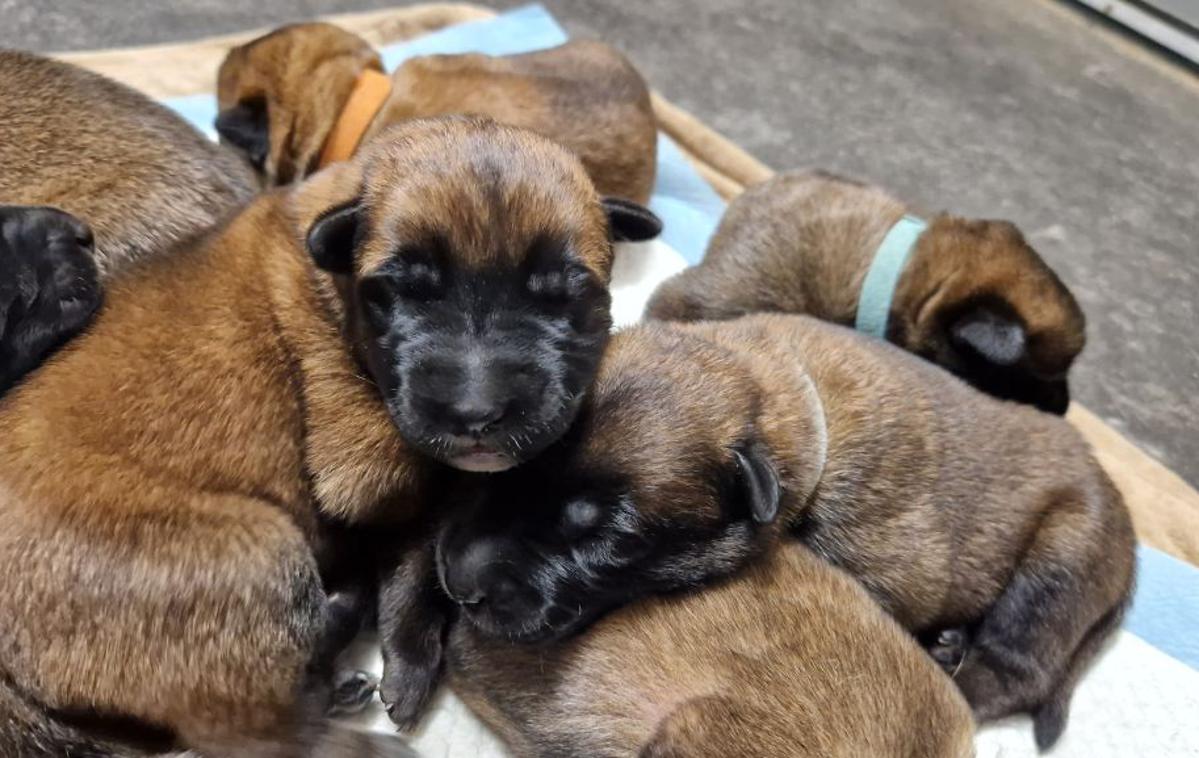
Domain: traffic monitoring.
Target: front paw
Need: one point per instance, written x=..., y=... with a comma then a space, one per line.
x=949, y=649
x=49, y=285
x=406, y=690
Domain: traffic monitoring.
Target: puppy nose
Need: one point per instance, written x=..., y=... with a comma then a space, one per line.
x=474, y=416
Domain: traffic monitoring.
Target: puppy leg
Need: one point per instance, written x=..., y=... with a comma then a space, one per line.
x=49, y=288
x=1064, y=600
x=413, y=619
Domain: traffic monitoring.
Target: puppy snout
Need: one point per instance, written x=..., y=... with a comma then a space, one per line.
x=476, y=416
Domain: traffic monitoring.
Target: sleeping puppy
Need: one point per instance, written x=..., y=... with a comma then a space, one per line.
x=305, y=95
x=167, y=480
x=972, y=296
x=789, y=658
x=986, y=527
x=139, y=176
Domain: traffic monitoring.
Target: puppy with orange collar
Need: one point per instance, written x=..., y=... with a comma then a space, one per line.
x=308, y=94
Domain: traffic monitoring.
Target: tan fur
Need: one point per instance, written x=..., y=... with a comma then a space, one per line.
x=789, y=658
x=583, y=94
x=140, y=176
x=164, y=476
x=951, y=507
x=802, y=242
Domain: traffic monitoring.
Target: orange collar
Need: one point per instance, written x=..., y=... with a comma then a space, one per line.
x=370, y=92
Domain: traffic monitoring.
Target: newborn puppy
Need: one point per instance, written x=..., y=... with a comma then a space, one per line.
x=308, y=94
x=139, y=176
x=701, y=444
x=789, y=658
x=168, y=479
x=970, y=295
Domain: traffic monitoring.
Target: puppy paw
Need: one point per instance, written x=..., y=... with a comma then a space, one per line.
x=352, y=692
x=49, y=286
x=406, y=691
x=949, y=649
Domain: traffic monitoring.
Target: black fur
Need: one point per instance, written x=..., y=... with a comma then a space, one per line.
x=49, y=290
x=246, y=126
x=631, y=222
x=986, y=344
x=481, y=368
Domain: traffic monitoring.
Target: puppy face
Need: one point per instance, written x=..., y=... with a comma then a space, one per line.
x=280, y=95
x=474, y=263
x=983, y=304
x=649, y=492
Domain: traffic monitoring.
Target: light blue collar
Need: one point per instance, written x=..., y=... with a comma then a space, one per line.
x=874, y=302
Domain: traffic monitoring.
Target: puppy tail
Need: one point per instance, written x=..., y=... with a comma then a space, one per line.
x=1049, y=718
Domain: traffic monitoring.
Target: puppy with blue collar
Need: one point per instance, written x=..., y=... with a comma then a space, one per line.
x=970, y=295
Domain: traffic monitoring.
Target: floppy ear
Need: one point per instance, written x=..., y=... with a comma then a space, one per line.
x=629, y=221
x=332, y=239
x=246, y=126
x=758, y=481
x=997, y=338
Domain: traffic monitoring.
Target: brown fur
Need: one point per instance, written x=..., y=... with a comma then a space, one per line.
x=789, y=658
x=952, y=508
x=139, y=175
x=583, y=94
x=165, y=477
x=802, y=243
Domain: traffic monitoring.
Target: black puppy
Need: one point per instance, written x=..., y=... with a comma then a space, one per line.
x=49, y=288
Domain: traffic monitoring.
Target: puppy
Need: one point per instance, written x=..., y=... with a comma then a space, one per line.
x=973, y=296
x=985, y=527
x=307, y=94
x=789, y=658
x=166, y=480
x=135, y=173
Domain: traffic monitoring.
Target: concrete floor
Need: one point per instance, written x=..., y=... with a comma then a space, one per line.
x=1022, y=109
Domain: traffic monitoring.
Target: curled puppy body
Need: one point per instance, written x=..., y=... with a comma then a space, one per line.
x=281, y=97
x=973, y=296
x=701, y=443
x=132, y=177
x=140, y=176
x=788, y=658
x=165, y=479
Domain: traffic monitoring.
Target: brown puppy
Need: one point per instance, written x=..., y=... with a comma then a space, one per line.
x=285, y=95
x=701, y=443
x=126, y=178
x=789, y=658
x=164, y=481
x=972, y=297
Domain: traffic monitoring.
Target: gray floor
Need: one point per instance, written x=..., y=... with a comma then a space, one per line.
x=1022, y=109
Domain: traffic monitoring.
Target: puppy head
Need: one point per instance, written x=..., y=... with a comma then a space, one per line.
x=978, y=300
x=473, y=261
x=281, y=94
x=660, y=485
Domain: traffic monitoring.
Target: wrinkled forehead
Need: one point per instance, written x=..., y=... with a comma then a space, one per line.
x=486, y=194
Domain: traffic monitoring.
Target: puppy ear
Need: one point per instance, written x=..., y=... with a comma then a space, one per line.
x=332, y=239
x=629, y=221
x=989, y=334
x=246, y=126
x=758, y=481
